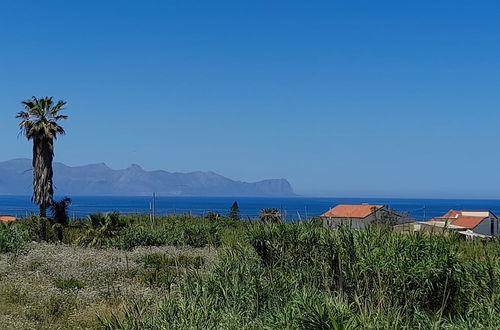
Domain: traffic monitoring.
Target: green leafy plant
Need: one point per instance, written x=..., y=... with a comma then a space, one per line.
x=12, y=238
x=101, y=227
x=69, y=284
x=59, y=210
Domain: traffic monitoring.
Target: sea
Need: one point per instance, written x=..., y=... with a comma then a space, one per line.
x=292, y=208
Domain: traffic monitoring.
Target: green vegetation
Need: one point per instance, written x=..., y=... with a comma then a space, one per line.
x=270, y=215
x=69, y=284
x=204, y=273
x=301, y=276
x=12, y=238
x=159, y=261
x=165, y=271
x=234, y=212
x=59, y=210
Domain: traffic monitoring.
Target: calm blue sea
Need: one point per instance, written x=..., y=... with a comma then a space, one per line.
x=293, y=208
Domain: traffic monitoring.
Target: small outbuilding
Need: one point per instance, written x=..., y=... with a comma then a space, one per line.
x=358, y=216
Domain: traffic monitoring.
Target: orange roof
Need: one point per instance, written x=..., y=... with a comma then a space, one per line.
x=7, y=218
x=467, y=221
x=456, y=218
x=452, y=214
x=351, y=211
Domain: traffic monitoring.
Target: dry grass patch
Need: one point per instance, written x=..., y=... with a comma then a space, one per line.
x=56, y=286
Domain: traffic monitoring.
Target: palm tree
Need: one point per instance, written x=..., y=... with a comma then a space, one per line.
x=39, y=122
x=59, y=210
x=271, y=215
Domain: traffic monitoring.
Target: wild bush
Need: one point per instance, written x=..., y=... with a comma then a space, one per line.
x=30, y=225
x=195, y=234
x=141, y=236
x=13, y=238
x=101, y=228
x=59, y=210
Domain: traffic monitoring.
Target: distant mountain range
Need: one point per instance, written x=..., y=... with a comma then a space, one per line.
x=99, y=179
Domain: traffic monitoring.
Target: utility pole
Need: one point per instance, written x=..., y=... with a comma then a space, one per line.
x=154, y=206
x=151, y=211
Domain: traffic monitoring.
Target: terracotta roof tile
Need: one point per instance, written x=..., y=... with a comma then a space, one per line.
x=454, y=217
x=7, y=218
x=351, y=210
x=467, y=221
x=452, y=214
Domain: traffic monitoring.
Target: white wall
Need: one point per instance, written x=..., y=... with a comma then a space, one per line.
x=476, y=213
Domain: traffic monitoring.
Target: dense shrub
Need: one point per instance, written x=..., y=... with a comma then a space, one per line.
x=102, y=228
x=142, y=236
x=30, y=225
x=177, y=234
x=13, y=238
x=129, y=231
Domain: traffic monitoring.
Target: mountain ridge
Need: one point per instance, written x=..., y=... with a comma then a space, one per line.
x=100, y=179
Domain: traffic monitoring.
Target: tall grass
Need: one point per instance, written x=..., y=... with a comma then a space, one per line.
x=301, y=276
x=293, y=276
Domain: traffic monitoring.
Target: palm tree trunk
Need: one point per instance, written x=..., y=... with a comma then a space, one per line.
x=60, y=234
x=43, y=154
x=43, y=223
x=43, y=211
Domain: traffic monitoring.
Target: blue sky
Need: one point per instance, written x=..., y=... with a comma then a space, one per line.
x=342, y=98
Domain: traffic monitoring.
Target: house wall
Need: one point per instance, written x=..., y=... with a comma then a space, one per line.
x=354, y=223
x=476, y=213
x=485, y=227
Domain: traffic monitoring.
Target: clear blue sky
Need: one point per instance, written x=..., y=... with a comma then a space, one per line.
x=343, y=98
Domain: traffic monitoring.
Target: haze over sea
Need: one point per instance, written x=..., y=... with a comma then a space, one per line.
x=293, y=207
